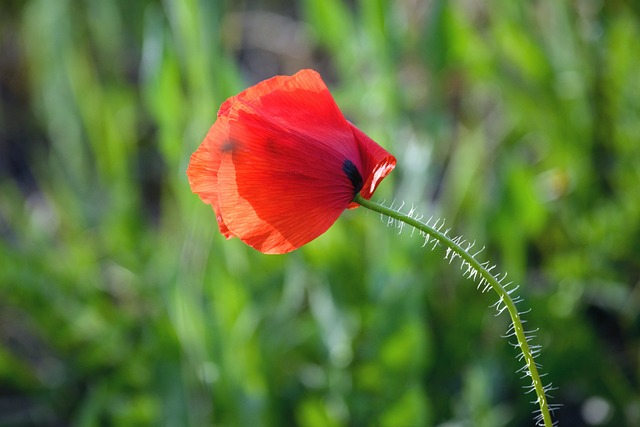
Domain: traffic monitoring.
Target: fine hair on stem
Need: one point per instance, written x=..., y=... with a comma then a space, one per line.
x=460, y=250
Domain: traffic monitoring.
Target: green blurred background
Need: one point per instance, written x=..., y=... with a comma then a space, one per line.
x=120, y=303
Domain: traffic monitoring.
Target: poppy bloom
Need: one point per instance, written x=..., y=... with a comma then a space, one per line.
x=281, y=163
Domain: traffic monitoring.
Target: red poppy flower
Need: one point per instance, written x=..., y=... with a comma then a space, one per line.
x=281, y=163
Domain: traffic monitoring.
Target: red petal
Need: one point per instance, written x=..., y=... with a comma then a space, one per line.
x=280, y=164
x=202, y=172
x=377, y=163
x=307, y=80
x=299, y=104
x=280, y=190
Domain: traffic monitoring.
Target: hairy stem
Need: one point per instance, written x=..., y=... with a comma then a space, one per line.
x=432, y=233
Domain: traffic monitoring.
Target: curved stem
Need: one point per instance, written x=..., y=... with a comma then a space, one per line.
x=491, y=280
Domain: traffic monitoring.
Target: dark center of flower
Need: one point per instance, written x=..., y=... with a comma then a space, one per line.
x=354, y=175
x=228, y=146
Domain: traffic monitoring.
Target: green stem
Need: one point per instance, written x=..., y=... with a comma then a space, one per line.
x=505, y=297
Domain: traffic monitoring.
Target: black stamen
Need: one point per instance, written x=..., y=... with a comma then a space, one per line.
x=354, y=175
